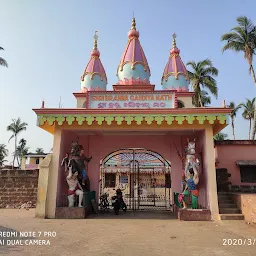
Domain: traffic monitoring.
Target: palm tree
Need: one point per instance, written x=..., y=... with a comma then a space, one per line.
x=220, y=136
x=206, y=99
x=39, y=151
x=3, y=153
x=242, y=38
x=22, y=150
x=233, y=115
x=16, y=127
x=3, y=62
x=202, y=77
x=248, y=111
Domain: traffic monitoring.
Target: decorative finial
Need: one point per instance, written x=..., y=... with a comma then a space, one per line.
x=133, y=23
x=95, y=41
x=174, y=40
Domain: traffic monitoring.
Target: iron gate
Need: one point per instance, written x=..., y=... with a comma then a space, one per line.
x=146, y=185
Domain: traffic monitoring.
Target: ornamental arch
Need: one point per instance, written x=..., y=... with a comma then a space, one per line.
x=143, y=175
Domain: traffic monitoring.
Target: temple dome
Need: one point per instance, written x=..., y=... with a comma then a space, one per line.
x=175, y=75
x=133, y=68
x=94, y=77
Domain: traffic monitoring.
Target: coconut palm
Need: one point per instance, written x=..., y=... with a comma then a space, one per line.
x=248, y=113
x=16, y=127
x=233, y=115
x=206, y=99
x=3, y=62
x=220, y=136
x=22, y=150
x=3, y=153
x=242, y=38
x=201, y=77
x=39, y=151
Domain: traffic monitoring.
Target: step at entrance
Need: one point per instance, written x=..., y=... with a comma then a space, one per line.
x=232, y=216
x=227, y=208
x=227, y=205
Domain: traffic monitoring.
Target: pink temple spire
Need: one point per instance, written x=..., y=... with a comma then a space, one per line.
x=94, y=65
x=133, y=52
x=174, y=66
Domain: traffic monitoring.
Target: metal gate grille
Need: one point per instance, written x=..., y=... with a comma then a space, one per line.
x=143, y=175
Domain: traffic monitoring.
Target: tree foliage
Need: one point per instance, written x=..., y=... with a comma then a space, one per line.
x=202, y=77
x=16, y=127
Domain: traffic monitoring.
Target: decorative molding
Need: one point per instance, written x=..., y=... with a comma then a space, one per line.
x=119, y=119
x=80, y=119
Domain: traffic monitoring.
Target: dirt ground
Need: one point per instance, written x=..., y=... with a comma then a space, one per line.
x=144, y=234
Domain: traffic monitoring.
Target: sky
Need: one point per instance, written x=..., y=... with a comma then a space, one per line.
x=48, y=43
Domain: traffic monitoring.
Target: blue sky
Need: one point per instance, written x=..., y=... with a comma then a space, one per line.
x=47, y=45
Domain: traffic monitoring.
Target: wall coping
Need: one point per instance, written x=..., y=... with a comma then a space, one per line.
x=235, y=142
x=242, y=193
x=46, y=162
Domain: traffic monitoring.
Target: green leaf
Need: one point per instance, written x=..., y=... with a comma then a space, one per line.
x=149, y=119
x=70, y=119
x=169, y=119
x=80, y=120
x=211, y=119
x=51, y=120
x=60, y=119
x=190, y=119
x=200, y=119
x=41, y=120
x=100, y=120
x=89, y=120
x=138, y=119
x=109, y=119
x=129, y=119
x=180, y=119
x=222, y=119
x=119, y=120
x=159, y=119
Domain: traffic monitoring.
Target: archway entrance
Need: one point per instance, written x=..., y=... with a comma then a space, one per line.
x=143, y=175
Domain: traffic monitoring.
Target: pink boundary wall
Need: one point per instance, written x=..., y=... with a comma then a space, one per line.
x=99, y=146
x=228, y=152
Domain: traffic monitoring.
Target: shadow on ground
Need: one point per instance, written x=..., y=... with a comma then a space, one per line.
x=158, y=215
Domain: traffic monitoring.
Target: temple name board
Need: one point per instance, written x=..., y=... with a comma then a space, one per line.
x=107, y=100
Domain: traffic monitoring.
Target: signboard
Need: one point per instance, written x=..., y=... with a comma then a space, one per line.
x=126, y=100
x=123, y=179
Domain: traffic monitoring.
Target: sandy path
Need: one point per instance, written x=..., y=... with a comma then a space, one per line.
x=126, y=235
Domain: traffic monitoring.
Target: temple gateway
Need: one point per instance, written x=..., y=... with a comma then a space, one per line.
x=152, y=144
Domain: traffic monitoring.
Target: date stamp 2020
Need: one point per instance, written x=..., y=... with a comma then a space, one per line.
x=239, y=242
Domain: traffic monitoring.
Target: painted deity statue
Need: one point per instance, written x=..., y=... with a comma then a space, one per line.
x=77, y=162
x=77, y=178
x=191, y=181
x=190, y=178
x=65, y=162
x=74, y=188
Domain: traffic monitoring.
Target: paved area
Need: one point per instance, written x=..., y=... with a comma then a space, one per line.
x=150, y=234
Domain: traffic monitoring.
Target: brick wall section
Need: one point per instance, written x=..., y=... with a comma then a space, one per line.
x=247, y=204
x=18, y=187
x=194, y=215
